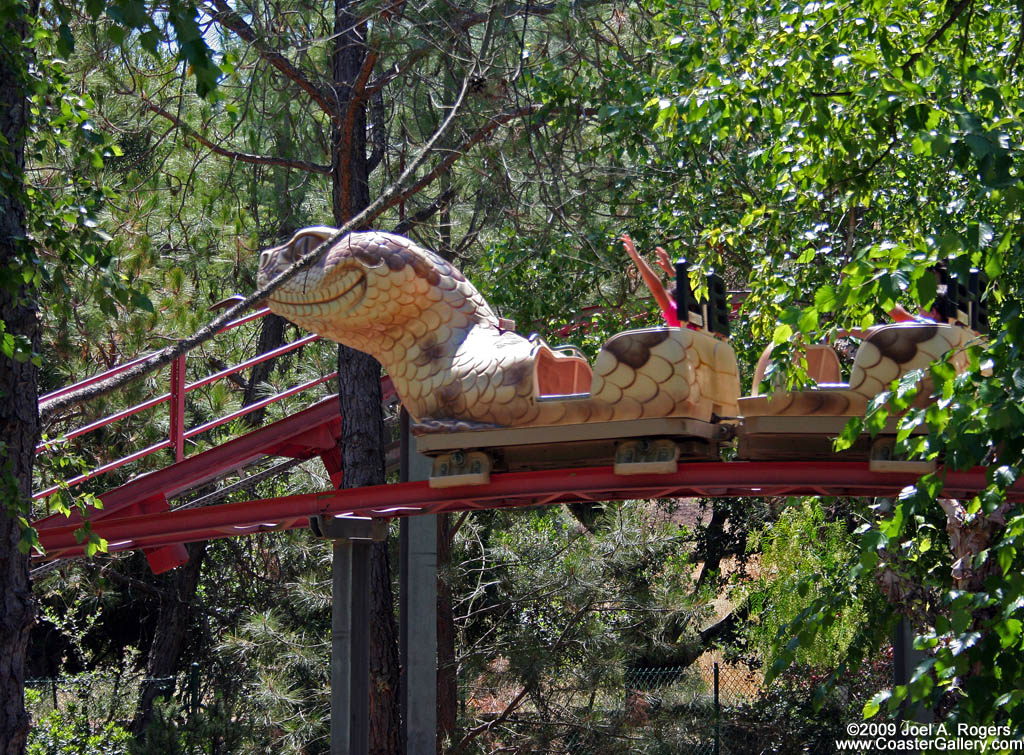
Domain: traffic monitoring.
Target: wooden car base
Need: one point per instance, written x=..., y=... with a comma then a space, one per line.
x=640, y=446
x=812, y=438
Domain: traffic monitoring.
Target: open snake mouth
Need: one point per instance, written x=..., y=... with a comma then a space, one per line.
x=339, y=298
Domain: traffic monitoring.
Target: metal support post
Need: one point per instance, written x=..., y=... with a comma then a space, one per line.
x=359, y=728
x=350, y=628
x=178, y=407
x=418, y=612
x=193, y=691
x=718, y=715
x=904, y=660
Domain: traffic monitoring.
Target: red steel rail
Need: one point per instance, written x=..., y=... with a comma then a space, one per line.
x=514, y=489
x=302, y=435
x=118, y=369
x=175, y=397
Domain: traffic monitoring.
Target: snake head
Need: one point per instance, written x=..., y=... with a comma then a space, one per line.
x=327, y=292
x=370, y=281
x=277, y=259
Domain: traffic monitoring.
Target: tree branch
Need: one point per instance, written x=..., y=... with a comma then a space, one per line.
x=224, y=15
x=458, y=152
x=424, y=214
x=726, y=625
x=242, y=157
x=234, y=377
x=348, y=124
x=461, y=24
x=1015, y=56
x=511, y=707
x=359, y=87
x=395, y=71
x=685, y=652
x=165, y=356
x=957, y=10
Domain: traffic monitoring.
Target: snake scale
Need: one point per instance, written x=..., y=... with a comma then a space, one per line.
x=888, y=353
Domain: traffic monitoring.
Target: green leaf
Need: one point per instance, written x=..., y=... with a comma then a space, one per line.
x=1005, y=475
x=66, y=43
x=29, y=540
x=872, y=706
x=808, y=322
x=1009, y=632
x=142, y=301
x=851, y=431
x=826, y=299
x=95, y=545
x=925, y=289
x=116, y=34
x=871, y=542
x=783, y=333
x=980, y=146
x=965, y=642
x=893, y=526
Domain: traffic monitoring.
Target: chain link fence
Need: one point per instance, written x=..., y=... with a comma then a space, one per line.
x=669, y=709
x=103, y=696
x=708, y=708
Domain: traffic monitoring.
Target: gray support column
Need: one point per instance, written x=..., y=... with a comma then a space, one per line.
x=350, y=628
x=904, y=660
x=341, y=599
x=418, y=608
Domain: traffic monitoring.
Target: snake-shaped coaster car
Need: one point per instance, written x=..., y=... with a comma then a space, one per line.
x=803, y=424
x=482, y=396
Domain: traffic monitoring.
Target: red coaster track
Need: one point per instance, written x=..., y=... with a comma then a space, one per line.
x=516, y=489
x=136, y=515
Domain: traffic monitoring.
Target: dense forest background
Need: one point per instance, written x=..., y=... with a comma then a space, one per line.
x=821, y=156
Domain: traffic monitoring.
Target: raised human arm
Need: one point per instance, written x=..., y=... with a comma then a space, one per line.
x=665, y=262
x=650, y=278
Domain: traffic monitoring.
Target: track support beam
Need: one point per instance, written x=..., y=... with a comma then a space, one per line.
x=350, y=628
x=418, y=611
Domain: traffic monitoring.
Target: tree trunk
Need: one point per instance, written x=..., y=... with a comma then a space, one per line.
x=385, y=723
x=714, y=550
x=19, y=416
x=171, y=632
x=271, y=336
x=362, y=441
x=362, y=448
x=350, y=178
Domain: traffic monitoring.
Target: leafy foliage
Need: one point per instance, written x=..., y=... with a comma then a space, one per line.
x=805, y=554
x=876, y=141
x=831, y=153
x=69, y=732
x=793, y=717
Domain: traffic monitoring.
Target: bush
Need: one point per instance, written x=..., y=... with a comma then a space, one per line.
x=69, y=732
